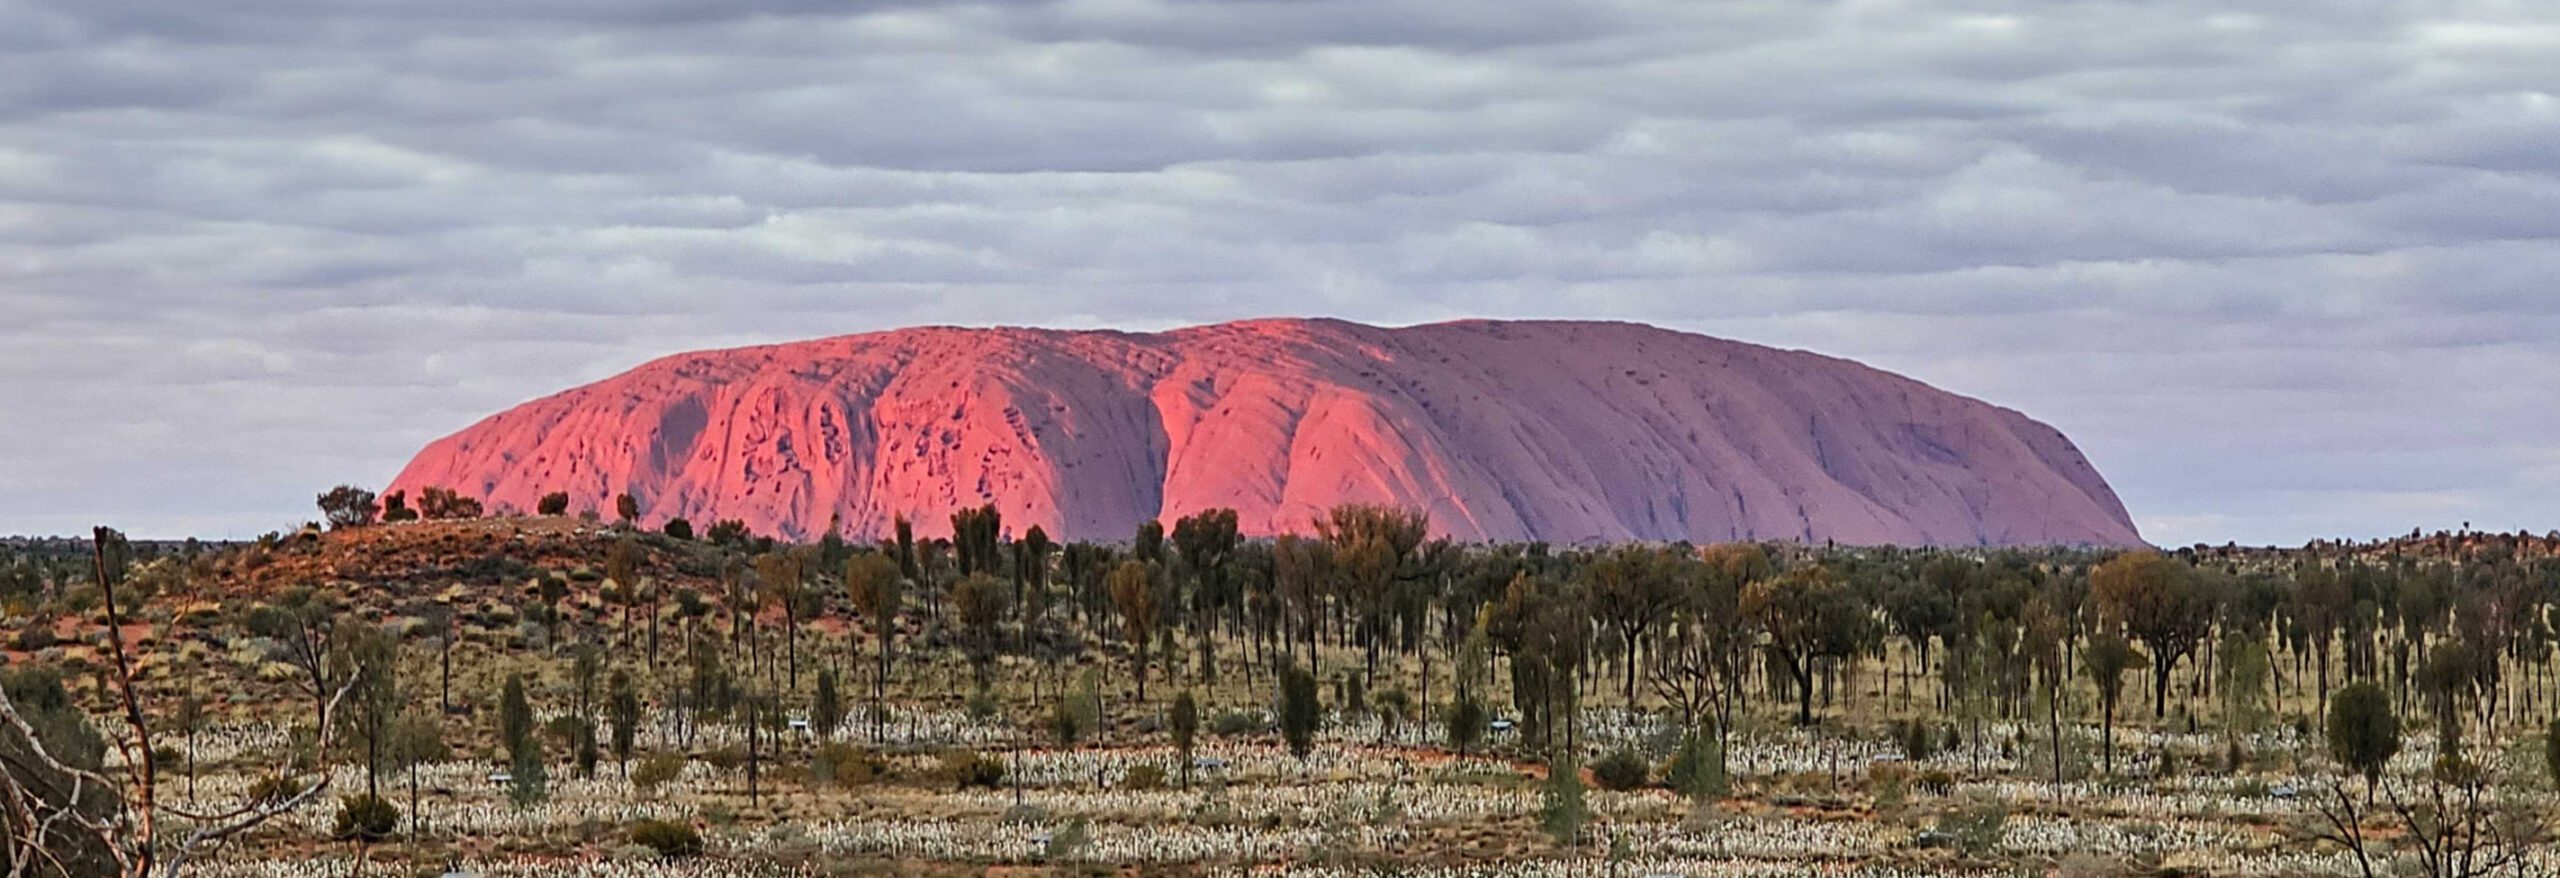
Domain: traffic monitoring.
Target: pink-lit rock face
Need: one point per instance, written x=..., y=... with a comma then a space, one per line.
x=1557, y=431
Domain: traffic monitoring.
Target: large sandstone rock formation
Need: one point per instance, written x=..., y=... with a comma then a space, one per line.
x=1557, y=431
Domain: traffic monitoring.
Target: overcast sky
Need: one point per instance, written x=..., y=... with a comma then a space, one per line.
x=2283, y=273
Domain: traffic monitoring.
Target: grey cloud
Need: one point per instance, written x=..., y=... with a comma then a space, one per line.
x=2284, y=272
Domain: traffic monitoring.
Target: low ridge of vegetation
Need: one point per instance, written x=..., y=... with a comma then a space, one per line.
x=411, y=685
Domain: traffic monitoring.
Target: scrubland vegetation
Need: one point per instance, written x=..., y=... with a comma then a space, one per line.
x=409, y=688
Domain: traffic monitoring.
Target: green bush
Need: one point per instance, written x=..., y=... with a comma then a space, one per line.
x=1977, y=826
x=1301, y=709
x=1070, y=840
x=365, y=819
x=725, y=758
x=1561, y=809
x=1915, y=740
x=1143, y=777
x=847, y=765
x=970, y=768
x=2551, y=751
x=656, y=770
x=1697, y=769
x=1621, y=770
x=670, y=839
x=1466, y=719
x=1066, y=723
x=1237, y=723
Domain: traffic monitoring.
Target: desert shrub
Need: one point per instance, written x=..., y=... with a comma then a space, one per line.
x=669, y=838
x=1697, y=769
x=846, y=765
x=37, y=635
x=2085, y=865
x=554, y=503
x=982, y=705
x=970, y=768
x=1620, y=770
x=1936, y=782
x=1237, y=723
x=677, y=528
x=1066, y=723
x=531, y=783
x=365, y=819
x=1143, y=777
x=1213, y=807
x=1976, y=825
x=656, y=770
x=1392, y=705
x=1562, y=812
x=1466, y=721
x=1186, y=730
x=1914, y=738
x=2551, y=752
x=1301, y=709
x=728, y=532
x=1070, y=840
x=725, y=758
x=274, y=789
x=1891, y=786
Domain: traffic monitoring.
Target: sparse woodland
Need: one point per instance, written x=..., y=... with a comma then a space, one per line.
x=409, y=687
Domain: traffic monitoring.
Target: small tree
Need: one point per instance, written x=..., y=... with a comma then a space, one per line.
x=623, y=708
x=417, y=739
x=395, y=507
x=2363, y=732
x=826, y=709
x=1133, y=593
x=347, y=506
x=1561, y=809
x=1697, y=771
x=1186, y=730
x=554, y=503
x=1064, y=724
x=670, y=839
x=1465, y=719
x=578, y=736
x=871, y=584
x=364, y=821
x=1300, y=710
x=191, y=720
x=443, y=504
x=626, y=508
x=515, y=717
x=678, y=528
x=2551, y=751
x=2106, y=658
x=529, y=782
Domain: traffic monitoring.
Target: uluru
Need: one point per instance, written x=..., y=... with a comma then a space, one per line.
x=1555, y=431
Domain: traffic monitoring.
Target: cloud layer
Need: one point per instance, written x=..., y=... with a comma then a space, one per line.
x=2285, y=273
